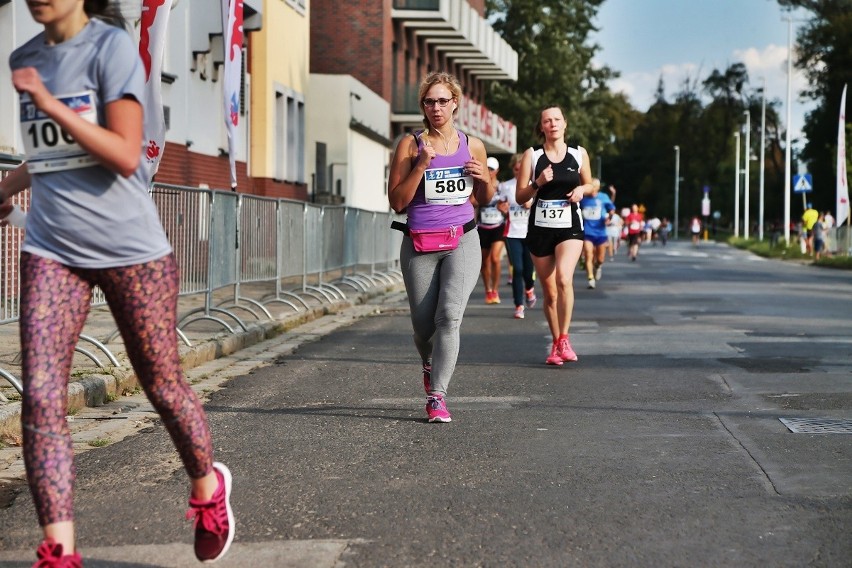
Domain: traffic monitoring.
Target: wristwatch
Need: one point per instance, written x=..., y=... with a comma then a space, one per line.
x=534, y=185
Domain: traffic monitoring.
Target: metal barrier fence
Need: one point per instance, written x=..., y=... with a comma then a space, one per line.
x=302, y=252
x=840, y=240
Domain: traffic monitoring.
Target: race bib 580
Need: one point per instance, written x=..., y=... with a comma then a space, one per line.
x=447, y=186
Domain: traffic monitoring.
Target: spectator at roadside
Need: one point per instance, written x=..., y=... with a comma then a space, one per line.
x=819, y=231
x=809, y=217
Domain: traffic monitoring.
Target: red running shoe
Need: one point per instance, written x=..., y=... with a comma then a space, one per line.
x=214, y=519
x=436, y=409
x=565, y=350
x=554, y=358
x=49, y=554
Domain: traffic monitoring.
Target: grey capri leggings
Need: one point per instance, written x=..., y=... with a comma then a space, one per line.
x=439, y=285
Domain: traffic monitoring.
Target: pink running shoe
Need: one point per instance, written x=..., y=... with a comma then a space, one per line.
x=554, y=358
x=214, y=519
x=565, y=350
x=427, y=377
x=436, y=409
x=531, y=298
x=49, y=554
x=519, y=312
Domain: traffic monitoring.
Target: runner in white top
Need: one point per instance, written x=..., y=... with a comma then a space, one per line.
x=491, y=224
x=523, y=283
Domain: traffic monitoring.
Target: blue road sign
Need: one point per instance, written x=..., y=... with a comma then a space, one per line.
x=803, y=183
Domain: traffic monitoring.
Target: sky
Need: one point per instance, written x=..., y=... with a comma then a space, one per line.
x=646, y=39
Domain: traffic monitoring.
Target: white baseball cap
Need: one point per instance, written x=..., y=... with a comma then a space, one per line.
x=492, y=163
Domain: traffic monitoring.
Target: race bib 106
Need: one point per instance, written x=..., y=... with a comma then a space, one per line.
x=553, y=214
x=447, y=186
x=47, y=146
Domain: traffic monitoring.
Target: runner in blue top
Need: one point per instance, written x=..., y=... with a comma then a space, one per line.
x=596, y=209
x=92, y=223
x=436, y=175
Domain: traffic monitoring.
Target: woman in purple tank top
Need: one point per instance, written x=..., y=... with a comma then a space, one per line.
x=437, y=176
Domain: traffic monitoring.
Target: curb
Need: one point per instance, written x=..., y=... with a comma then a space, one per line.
x=96, y=389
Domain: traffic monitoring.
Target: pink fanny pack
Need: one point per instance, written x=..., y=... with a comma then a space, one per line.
x=435, y=240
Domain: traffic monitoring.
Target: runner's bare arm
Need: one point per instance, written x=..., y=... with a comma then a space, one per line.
x=523, y=191
x=118, y=147
x=483, y=188
x=17, y=181
x=406, y=172
x=587, y=182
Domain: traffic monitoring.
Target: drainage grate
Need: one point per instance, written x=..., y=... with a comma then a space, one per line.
x=817, y=425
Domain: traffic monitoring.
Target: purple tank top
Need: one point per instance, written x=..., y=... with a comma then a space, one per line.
x=423, y=215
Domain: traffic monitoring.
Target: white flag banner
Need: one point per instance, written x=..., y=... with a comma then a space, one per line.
x=152, y=40
x=232, y=23
x=842, y=180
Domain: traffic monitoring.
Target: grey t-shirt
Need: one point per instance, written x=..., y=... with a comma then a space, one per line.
x=86, y=216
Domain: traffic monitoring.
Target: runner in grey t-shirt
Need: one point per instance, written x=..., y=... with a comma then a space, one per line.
x=92, y=223
x=82, y=214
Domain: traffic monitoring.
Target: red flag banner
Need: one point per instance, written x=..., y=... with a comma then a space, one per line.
x=232, y=25
x=152, y=39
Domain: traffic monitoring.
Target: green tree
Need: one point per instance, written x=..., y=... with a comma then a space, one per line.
x=824, y=54
x=551, y=38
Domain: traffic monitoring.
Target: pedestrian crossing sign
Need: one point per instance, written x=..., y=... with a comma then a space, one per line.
x=802, y=183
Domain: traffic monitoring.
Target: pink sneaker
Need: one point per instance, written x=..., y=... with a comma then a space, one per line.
x=49, y=554
x=436, y=409
x=531, y=298
x=565, y=350
x=519, y=312
x=554, y=358
x=489, y=297
x=427, y=377
x=495, y=297
x=214, y=519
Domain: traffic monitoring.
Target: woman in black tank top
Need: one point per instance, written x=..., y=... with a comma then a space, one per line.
x=557, y=176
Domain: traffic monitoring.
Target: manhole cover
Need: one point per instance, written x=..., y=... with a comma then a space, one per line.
x=817, y=425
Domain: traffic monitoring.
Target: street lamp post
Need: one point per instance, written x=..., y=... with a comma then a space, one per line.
x=787, y=165
x=737, y=186
x=746, y=182
x=762, y=161
x=677, y=188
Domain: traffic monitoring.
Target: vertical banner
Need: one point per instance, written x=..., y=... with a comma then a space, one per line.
x=152, y=40
x=232, y=25
x=842, y=180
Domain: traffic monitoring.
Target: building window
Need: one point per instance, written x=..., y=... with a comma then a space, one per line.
x=300, y=6
x=289, y=136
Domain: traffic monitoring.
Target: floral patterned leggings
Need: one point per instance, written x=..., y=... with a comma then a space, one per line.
x=54, y=305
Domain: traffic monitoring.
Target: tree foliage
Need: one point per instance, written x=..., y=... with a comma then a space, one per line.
x=636, y=150
x=555, y=66
x=824, y=54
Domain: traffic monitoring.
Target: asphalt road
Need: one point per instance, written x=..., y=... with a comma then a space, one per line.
x=662, y=446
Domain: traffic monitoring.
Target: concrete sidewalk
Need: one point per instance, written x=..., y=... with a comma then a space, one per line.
x=99, y=381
